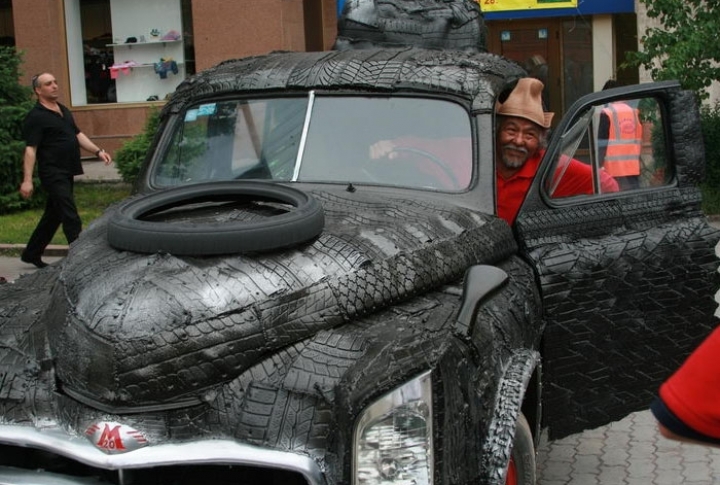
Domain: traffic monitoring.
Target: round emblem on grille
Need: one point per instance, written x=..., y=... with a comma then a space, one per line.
x=113, y=438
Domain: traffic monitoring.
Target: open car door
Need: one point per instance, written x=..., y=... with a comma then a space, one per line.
x=628, y=272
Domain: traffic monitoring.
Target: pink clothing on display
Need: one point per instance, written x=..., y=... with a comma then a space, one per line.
x=124, y=67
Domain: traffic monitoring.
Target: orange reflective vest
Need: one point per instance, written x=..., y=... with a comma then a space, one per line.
x=624, y=142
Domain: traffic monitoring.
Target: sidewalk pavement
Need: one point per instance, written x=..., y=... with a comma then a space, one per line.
x=96, y=171
x=625, y=452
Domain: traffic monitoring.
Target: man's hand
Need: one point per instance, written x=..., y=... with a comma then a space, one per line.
x=105, y=157
x=26, y=189
x=383, y=149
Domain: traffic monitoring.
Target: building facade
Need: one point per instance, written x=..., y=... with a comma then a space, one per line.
x=573, y=47
x=115, y=60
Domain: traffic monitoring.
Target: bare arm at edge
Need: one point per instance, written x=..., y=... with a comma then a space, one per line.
x=88, y=145
x=26, y=187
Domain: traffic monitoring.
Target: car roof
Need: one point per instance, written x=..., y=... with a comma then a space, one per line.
x=477, y=77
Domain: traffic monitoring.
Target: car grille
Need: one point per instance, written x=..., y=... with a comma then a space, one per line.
x=16, y=461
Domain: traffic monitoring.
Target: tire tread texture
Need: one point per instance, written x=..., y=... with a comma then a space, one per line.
x=432, y=24
x=480, y=76
x=647, y=305
x=134, y=330
x=26, y=379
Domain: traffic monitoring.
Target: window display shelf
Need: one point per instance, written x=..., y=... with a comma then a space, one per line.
x=143, y=65
x=152, y=42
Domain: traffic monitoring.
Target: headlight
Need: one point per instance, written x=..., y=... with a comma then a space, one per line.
x=393, y=437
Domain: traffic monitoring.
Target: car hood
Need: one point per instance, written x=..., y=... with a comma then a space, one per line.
x=129, y=330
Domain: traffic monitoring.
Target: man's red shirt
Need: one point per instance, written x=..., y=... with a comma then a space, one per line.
x=572, y=178
x=692, y=393
x=511, y=191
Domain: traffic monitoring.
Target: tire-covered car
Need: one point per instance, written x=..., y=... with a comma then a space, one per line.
x=274, y=305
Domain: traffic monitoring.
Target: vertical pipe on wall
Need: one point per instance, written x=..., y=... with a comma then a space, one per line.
x=603, y=39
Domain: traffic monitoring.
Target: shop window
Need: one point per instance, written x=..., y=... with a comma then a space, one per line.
x=127, y=51
x=7, y=28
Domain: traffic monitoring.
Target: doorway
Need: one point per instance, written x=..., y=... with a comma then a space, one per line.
x=556, y=51
x=534, y=45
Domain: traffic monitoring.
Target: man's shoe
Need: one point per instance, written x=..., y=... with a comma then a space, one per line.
x=38, y=263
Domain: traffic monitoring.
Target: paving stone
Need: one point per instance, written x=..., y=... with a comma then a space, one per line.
x=697, y=472
x=613, y=456
x=639, y=481
x=626, y=452
x=640, y=468
x=667, y=462
x=617, y=438
x=558, y=470
x=613, y=474
x=668, y=478
x=563, y=452
x=591, y=446
x=584, y=481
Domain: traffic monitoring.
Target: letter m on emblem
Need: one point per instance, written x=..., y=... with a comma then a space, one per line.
x=110, y=438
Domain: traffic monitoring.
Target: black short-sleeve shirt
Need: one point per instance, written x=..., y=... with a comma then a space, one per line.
x=55, y=140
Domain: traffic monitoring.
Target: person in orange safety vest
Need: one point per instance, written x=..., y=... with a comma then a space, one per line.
x=620, y=141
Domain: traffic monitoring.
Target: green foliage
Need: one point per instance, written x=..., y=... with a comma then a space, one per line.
x=686, y=47
x=710, y=123
x=185, y=155
x=710, y=200
x=131, y=156
x=15, y=102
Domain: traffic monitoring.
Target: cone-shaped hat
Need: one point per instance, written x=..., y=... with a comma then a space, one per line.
x=525, y=101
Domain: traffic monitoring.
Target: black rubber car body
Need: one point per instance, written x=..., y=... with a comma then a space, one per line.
x=399, y=331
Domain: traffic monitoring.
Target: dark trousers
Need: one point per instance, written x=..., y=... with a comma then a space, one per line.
x=59, y=209
x=628, y=183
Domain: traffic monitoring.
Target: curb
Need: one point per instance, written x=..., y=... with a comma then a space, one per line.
x=51, y=250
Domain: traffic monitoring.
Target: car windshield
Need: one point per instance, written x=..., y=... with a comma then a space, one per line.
x=400, y=141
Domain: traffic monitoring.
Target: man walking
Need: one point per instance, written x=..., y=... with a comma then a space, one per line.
x=53, y=140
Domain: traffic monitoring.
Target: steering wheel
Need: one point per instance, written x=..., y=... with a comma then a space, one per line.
x=442, y=165
x=387, y=165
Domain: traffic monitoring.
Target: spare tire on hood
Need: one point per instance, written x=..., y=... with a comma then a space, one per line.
x=216, y=218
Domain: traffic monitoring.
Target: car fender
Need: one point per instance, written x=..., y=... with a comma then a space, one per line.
x=499, y=314
x=513, y=384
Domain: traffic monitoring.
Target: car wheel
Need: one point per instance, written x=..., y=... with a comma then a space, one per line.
x=245, y=216
x=521, y=469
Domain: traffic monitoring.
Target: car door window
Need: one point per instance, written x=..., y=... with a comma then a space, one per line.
x=617, y=146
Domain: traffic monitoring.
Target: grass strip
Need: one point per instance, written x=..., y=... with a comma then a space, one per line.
x=91, y=199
